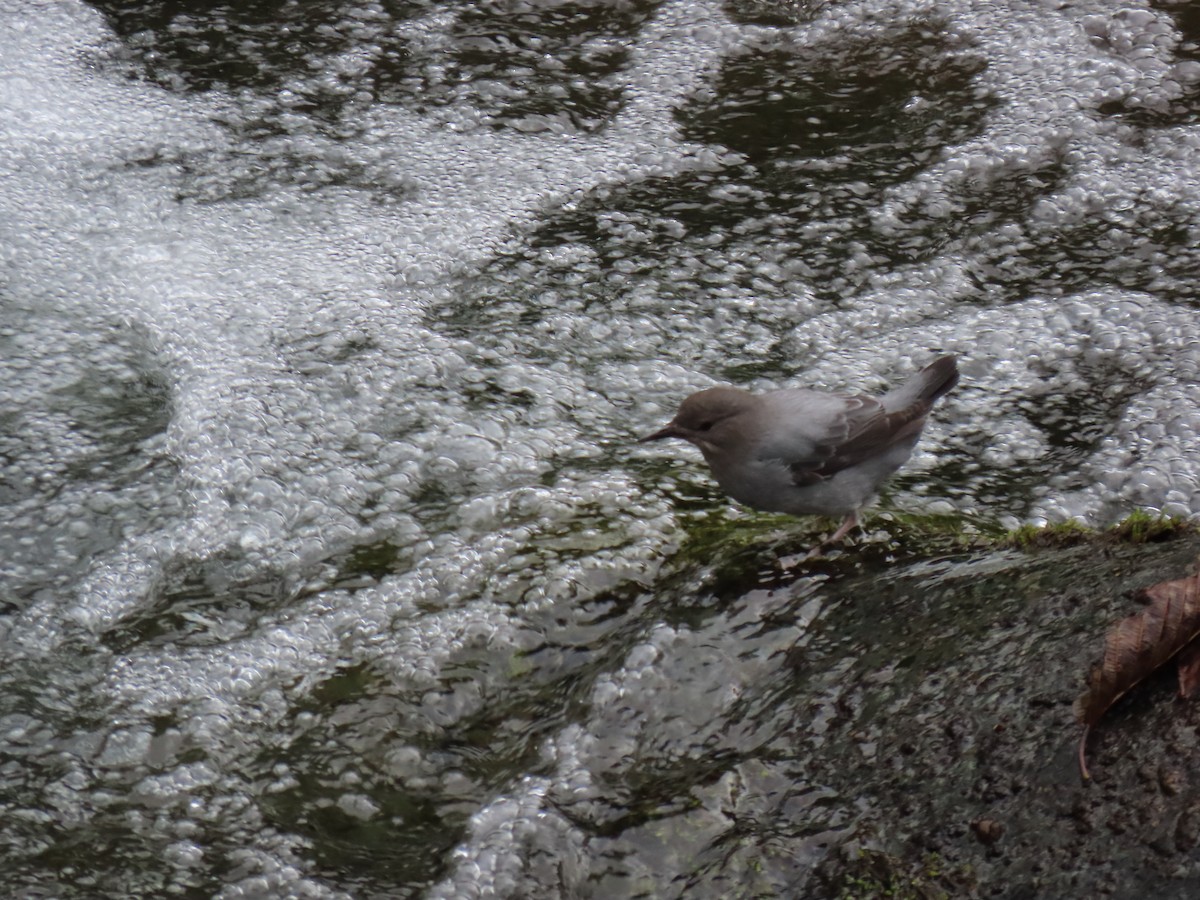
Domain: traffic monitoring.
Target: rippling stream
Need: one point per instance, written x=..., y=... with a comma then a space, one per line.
x=328, y=565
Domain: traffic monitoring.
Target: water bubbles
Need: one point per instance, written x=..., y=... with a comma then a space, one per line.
x=125, y=747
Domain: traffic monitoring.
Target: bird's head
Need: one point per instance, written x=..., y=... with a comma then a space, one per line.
x=710, y=419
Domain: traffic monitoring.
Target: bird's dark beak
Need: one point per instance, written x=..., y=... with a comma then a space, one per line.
x=667, y=432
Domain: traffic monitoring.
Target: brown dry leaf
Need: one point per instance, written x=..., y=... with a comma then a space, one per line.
x=1189, y=670
x=1136, y=646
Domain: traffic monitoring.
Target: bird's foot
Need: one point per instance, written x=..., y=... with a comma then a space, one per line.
x=784, y=564
x=848, y=523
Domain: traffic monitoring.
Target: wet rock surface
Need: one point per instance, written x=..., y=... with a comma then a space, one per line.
x=933, y=710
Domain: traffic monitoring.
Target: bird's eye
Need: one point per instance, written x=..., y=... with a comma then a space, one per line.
x=705, y=425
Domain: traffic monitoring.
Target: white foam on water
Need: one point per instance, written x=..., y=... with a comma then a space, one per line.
x=220, y=291
x=243, y=308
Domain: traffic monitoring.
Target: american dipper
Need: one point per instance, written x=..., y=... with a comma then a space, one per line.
x=807, y=452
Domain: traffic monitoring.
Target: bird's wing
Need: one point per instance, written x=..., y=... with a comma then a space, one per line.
x=836, y=432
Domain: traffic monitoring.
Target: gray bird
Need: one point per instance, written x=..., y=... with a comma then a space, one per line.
x=807, y=452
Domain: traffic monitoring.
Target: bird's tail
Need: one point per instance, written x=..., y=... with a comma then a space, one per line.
x=927, y=386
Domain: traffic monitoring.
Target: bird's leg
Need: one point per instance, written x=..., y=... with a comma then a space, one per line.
x=849, y=522
x=844, y=529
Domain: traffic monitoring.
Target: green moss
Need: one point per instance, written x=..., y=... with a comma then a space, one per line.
x=738, y=547
x=1139, y=527
x=1035, y=537
x=941, y=531
x=740, y=551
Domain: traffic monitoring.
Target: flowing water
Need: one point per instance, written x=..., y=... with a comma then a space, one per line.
x=327, y=565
